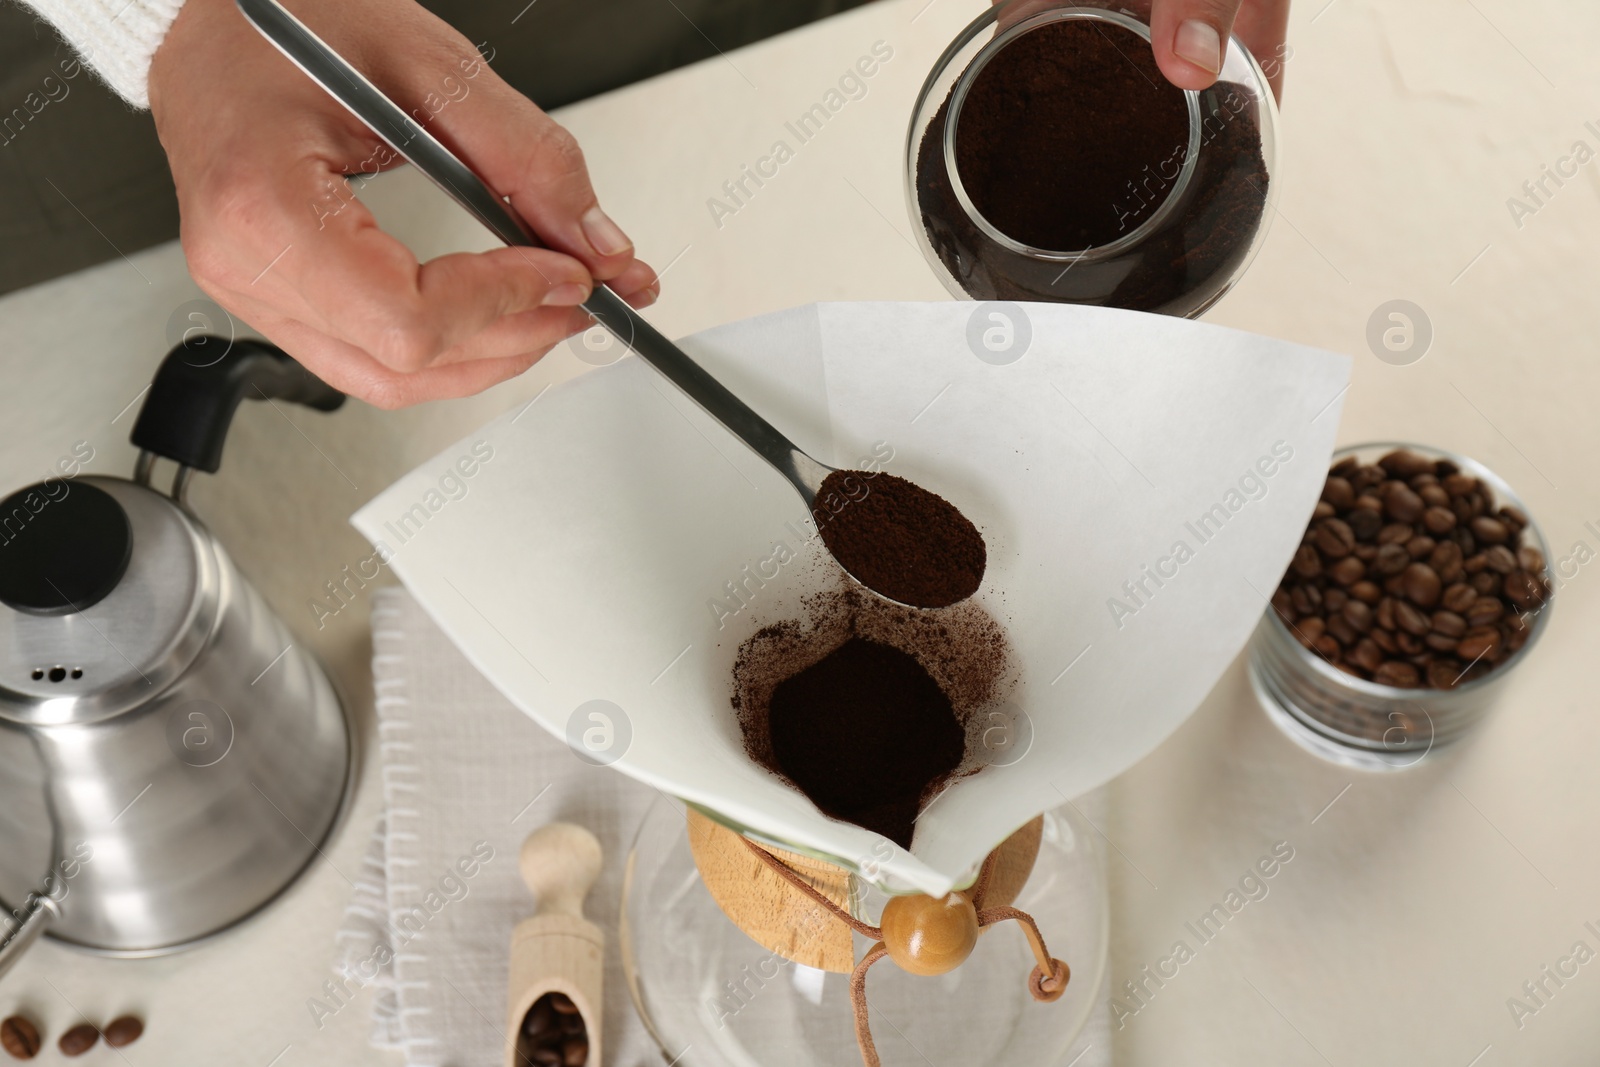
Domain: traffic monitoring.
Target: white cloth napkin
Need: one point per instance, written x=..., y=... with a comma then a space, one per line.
x=466, y=777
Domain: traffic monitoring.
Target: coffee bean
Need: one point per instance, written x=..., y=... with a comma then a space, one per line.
x=1464, y=540
x=1358, y=614
x=1392, y=559
x=1422, y=585
x=1484, y=611
x=1513, y=516
x=1459, y=597
x=1402, y=504
x=1433, y=495
x=540, y=1020
x=80, y=1039
x=1366, y=592
x=1479, y=644
x=1369, y=502
x=1385, y=640
x=1410, y=644
x=1364, y=523
x=1501, y=559
x=1348, y=571
x=1403, y=463
x=1306, y=631
x=1446, y=561
x=1420, y=547
x=1307, y=563
x=1460, y=484
x=1365, y=551
x=1487, y=583
x=1333, y=599
x=1341, y=630
x=1282, y=604
x=1395, y=585
x=1327, y=647
x=1442, y=674
x=1439, y=520
x=1489, y=531
x=1367, y=655
x=563, y=1004
x=20, y=1037
x=1335, y=538
x=1449, y=623
x=1515, y=640
x=1366, y=476
x=1440, y=642
x=1530, y=559
x=1384, y=615
x=1396, y=533
x=1524, y=590
x=1323, y=510
x=1396, y=673
x=1411, y=620
x=575, y=1053
x=123, y=1031
x=1338, y=492
x=545, y=1057
x=1475, y=563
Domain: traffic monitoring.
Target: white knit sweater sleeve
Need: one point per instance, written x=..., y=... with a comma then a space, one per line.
x=116, y=38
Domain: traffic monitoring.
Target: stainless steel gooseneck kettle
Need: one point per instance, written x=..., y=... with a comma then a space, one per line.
x=170, y=760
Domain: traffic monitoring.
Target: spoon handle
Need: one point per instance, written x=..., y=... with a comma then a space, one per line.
x=422, y=150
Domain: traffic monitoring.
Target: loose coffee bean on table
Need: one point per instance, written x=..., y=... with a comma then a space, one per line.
x=1069, y=139
x=898, y=539
x=553, y=1034
x=78, y=1040
x=123, y=1031
x=20, y=1037
x=1410, y=575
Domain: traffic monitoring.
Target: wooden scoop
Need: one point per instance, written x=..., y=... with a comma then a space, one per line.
x=557, y=953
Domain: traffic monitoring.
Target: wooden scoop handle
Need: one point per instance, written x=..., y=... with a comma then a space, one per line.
x=560, y=863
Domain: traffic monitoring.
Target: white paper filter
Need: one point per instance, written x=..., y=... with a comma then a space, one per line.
x=1141, y=483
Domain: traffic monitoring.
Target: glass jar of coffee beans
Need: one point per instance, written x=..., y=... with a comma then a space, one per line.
x=1420, y=582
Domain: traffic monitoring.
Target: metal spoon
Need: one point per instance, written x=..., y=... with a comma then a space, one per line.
x=386, y=119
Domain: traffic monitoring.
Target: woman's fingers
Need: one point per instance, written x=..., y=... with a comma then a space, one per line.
x=1189, y=37
x=526, y=155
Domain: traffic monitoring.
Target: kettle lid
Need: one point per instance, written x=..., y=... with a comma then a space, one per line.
x=85, y=637
x=61, y=549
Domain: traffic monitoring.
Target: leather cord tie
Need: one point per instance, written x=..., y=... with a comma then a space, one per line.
x=1047, y=981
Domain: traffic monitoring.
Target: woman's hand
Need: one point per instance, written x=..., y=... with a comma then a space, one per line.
x=272, y=229
x=1187, y=35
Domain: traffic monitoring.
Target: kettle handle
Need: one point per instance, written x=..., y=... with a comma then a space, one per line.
x=30, y=922
x=194, y=394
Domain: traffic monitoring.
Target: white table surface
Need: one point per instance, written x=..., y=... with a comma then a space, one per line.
x=1415, y=905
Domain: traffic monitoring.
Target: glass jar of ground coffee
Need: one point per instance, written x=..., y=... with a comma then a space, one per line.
x=1049, y=159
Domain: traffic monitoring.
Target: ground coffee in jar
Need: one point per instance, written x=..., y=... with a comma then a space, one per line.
x=1100, y=182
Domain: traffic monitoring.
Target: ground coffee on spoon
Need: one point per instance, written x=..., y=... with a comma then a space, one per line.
x=900, y=540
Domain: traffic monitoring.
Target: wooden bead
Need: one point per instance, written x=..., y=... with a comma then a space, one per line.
x=929, y=936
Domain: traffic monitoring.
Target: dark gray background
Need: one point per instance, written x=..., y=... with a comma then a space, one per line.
x=95, y=151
